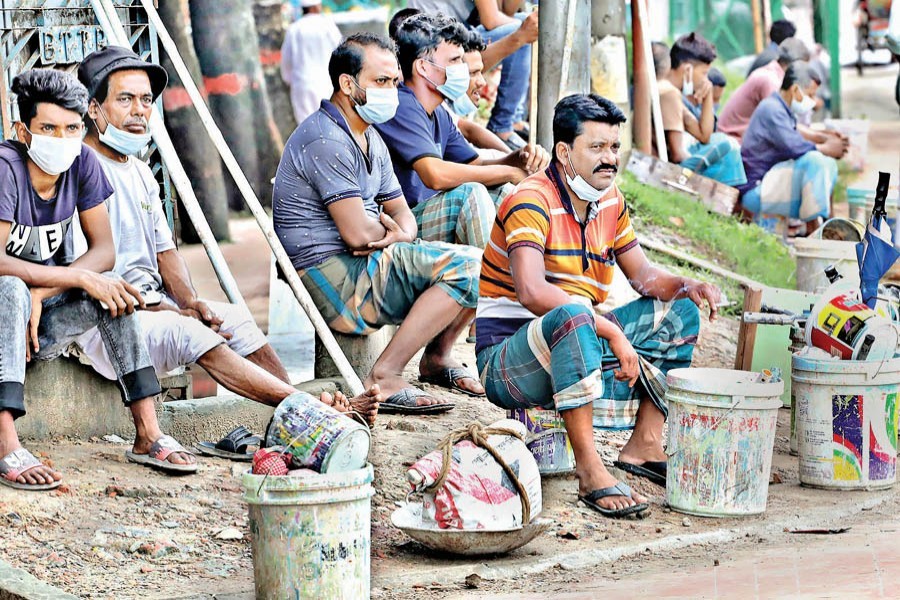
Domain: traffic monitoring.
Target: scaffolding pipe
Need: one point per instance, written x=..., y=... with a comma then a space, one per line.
x=262, y=218
x=115, y=33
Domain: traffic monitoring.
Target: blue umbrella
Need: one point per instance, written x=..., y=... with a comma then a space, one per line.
x=876, y=252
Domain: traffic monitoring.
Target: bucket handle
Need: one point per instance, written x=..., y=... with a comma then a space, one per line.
x=715, y=425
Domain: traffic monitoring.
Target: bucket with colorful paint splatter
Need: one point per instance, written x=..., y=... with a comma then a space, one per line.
x=721, y=437
x=317, y=436
x=846, y=422
x=311, y=534
x=547, y=439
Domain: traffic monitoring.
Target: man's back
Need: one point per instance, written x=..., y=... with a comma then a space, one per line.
x=308, y=44
x=459, y=9
x=760, y=85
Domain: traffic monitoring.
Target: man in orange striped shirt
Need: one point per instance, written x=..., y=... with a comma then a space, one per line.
x=540, y=343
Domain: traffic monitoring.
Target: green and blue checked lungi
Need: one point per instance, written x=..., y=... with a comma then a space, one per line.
x=463, y=215
x=360, y=294
x=719, y=159
x=800, y=188
x=557, y=361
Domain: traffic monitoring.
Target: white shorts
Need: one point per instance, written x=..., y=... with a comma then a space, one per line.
x=174, y=340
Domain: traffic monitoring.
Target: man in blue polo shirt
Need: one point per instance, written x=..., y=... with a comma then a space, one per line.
x=452, y=191
x=341, y=215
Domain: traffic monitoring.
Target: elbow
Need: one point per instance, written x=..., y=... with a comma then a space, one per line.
x=434, y=180
x=528, y=297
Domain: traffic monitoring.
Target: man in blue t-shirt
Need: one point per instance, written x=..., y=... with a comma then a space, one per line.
x=442, y=176
x=49, y=299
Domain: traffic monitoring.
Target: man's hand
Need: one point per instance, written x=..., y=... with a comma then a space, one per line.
x=833, y=146
x=703, y=90
x=528, y=31
x=198, y=309
x=119, y=296
x=529, y=159
x=393, y=234
x=37, y=307
x=700, y=292
x=629, y=369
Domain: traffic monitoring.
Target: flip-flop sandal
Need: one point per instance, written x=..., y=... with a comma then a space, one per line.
x=620, y=489
x=448, y=377
x=233, y=446
x=160, y=450
x=405, y=402
x=654, y=470
x=20, y=461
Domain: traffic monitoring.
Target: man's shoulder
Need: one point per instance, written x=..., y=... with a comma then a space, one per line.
x=10, y=156
x=320, y=129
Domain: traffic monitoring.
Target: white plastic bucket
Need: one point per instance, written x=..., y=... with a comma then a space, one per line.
x=721, y=438
x=547, y=439
x=310, y=534
x=813, y=255
x=846, y=422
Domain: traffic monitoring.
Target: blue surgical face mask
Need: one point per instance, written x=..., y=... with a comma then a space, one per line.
x=124, y=142
x=457, y=83
x=381, y=104
x=463, y=106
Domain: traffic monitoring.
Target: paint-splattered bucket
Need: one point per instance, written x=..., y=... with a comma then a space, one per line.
x=310, y=534
x=547, y=440
x=845, y=327
x=846, y=422
x=317, y=436
x=721, y=438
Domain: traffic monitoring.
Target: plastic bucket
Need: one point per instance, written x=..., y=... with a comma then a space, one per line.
x=721, y=438
x=846, y=422
x=311, y=534
x=861, y=202
x=547, y=439
x=813, y=255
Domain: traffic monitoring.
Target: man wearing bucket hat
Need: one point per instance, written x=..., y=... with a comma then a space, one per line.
x=179, y=327
x=540, y=342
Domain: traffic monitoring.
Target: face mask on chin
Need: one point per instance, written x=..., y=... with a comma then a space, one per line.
x=687, y=86
x=581, y=188
x=53, y=155
x=804, y=106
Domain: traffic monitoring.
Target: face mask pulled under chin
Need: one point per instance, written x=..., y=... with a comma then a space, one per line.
x=584, y=190
x=53, y=155
x=804, y=106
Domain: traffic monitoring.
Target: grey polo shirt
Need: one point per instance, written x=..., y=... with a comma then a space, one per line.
x=321, y=164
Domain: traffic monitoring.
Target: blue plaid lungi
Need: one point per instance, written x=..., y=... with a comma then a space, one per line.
x=557, y=361
x=719, y=159
x=800, y=188
x=463, y=215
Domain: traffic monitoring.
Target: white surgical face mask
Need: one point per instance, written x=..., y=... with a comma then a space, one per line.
x=687, y=87
x=457, y=83
x=463, y=106
x=121, y=141
x=381, y=104
x=584, y=190
x=53, y=155
x=804, y=106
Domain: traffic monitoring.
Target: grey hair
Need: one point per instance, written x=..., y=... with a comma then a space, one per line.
x=791, y=50
x=801, y=73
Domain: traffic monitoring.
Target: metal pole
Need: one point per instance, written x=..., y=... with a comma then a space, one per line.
x=642, y=121
x=115, y=32
x=832, y=42
x=262, y=218
x=653, y=88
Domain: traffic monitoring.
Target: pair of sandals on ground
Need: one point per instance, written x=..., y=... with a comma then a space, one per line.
x=654, y=471
x=406, y=401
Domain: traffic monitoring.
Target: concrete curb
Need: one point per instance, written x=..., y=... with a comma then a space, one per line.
x=591, y=558
x=16, y=584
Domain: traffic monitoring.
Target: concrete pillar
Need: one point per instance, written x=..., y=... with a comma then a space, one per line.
x=554, y=43
x=361, y=350
x=609, y=59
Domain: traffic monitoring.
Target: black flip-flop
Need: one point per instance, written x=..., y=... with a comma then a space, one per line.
x=405, y=402
x=620, y=489
x=233, y=446
x=654, y=470
x=447, y=378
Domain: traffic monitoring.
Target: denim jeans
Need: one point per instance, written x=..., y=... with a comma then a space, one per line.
x=514, y=79
x=64, y=318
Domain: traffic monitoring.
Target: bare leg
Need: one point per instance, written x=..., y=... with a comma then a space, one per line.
x=267, y=358
x=645, y=443
x=147, y=431
x=589, y=468
x=438, y=351
x=430, y=315
x=9, y=441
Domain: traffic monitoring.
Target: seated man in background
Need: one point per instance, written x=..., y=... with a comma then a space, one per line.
x=48, y=298
x=540, y=342
x=787, y=174
x=780, y=30
x=692, y=141
x=718, y=82
x=180, y=328
x=443, y=178
x=340, y=213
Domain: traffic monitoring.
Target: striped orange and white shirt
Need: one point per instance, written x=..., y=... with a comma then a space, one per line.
x=579, y=258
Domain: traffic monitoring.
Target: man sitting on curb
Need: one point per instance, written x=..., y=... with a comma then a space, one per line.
x=443, y=178
x=341, y=215
x=181, y=329
x=48, y=300
x=541, y=344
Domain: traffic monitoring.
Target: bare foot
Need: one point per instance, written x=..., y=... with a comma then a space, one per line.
x=142, y=446
x=391, y=384
x=432, y=365
x=367, y=403
x=338, y=401
x=596, y=478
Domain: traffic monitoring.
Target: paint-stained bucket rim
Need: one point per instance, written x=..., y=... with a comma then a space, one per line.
x=819, y=366
x=739, y=383
x=256, y=485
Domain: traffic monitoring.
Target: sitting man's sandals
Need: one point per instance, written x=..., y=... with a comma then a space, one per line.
x=234, y=446
x=160, y=451
x=406, y=402
x=620, y=489
x=17, y=463
x=449, y=377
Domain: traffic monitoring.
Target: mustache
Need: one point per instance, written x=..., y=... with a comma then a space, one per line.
x=606, y=167
x=140, y=121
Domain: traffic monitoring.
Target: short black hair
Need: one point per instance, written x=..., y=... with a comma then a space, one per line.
x=419, y=35
x=474, y=43
x=572, y=111
x=661, y=60
x=348, y=57
x=400, y=16
x=693, y=48
x=716, y=77
x=781, y=30
x=51, y=86
x=801, y=73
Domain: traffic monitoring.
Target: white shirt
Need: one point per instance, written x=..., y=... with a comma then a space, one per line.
x=307, y=48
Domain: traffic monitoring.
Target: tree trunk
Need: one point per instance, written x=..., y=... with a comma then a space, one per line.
x=196, y=150
x=271, y=27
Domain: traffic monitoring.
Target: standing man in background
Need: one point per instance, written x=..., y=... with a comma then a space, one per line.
x=308, y=44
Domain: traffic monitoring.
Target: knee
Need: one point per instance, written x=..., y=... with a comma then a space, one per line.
x=688, y=312
x=571, y=316
x=14, y=294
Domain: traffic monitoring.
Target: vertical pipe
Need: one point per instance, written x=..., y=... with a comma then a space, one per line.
x=650, y=74
x=832, y=42
x=758, y=40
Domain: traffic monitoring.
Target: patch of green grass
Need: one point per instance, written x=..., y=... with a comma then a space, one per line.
x=745, y=249
x=729, y=287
